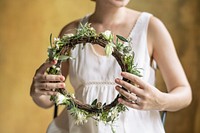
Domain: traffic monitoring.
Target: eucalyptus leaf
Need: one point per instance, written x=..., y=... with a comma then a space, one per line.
x=51, y=40
x=51, y=54
x=122, y=38
x=64, y=57
x=109, y=119
x=94, y=102
x=117, y=41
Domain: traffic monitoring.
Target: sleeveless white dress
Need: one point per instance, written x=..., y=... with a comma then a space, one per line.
x=93, y=75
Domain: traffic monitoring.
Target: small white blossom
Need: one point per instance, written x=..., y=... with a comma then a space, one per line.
x=58, y=68
x=92, y=29
x=57, y=46
x=69, y=35
x=109, y=114
x=60, y=98
x=126, y=44
x=114, y=113
x=54, y=66
x=73, y=96
x=55, y=58
x=109, y=49
x=107, y=35
x=56, y=39
x=81, y=118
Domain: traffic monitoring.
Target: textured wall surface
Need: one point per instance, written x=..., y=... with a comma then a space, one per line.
x=25, y=27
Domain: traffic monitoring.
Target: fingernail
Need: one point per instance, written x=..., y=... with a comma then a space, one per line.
x=122, y=73
x=119, y=100
x=62, y=78
x=117, y=80
x=116, y=87
x=62, y=85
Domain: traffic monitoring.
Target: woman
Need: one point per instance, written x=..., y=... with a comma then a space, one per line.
x=151, y=43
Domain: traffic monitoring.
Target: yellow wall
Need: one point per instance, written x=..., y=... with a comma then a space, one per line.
x=25, y=27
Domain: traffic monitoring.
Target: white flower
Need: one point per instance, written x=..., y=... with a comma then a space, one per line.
x=109, y=49
x=57, y=46
x=114, y=113
x=73, y=96
x=107, y=35
x=68, y=35
x=58, y=68
x=54, y=66
x=126, y=44
x=56, y=39
x=109, y=114
x=60, y=98
x=92, y=29
x=80, y=118
x=55, y=58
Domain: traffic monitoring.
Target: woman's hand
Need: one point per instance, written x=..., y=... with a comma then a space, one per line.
x=141, y=95
x=43, y=85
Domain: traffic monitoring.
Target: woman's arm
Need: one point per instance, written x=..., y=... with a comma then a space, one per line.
x=179, y=92
x=43, y=84
x=148, y=97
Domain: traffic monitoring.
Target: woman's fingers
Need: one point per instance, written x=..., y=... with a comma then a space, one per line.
x=129, y=87
x=44, y=84
x=134, y=79
x=147, y=96
x=49, y=86
x=45, y=92
x=131, y=97
x=42, y=69
x=45, y=77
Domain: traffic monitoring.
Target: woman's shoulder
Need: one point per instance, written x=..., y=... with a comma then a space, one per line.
x=156, y=27
x=70, y=27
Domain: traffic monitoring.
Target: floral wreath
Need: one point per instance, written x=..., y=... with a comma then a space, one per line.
x=60, y=50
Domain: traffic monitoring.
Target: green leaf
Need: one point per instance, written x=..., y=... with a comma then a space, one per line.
x=108, y=119
x=53, y=98
x=51, y=54
x=117, y=41
x=51, y=40
x=64, y=57
x=122, y=38
x=94, y=102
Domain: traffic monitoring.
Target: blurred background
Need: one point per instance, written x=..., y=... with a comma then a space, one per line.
x=25, y=27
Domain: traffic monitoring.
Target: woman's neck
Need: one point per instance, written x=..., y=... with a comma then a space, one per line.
x=108, y=14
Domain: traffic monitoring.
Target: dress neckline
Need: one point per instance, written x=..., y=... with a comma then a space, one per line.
x=134, y=26
x=130, y=35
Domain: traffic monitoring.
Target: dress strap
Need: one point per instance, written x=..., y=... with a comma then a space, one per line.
x=145, y=20
x=141, y=24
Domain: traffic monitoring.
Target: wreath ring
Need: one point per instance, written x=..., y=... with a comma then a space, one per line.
x=121, y=50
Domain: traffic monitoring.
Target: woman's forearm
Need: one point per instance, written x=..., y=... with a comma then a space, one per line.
x=177, y=99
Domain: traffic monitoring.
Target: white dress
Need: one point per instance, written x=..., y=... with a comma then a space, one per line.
x=93, y=75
